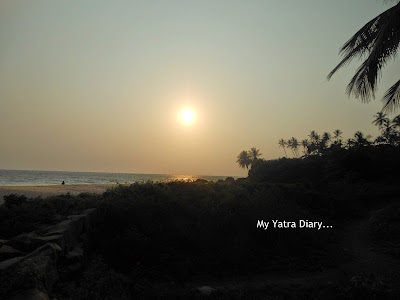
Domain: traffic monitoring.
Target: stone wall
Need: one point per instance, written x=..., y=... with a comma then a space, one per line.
x=40, y=258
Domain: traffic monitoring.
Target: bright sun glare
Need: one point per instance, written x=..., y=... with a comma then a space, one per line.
x=187, y=116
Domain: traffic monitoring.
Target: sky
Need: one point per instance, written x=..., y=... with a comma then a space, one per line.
x=100, y=85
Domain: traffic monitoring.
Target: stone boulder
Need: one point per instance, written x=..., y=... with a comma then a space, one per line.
x=70, y=231
x=76, y=255
x=44, y=259
x=205, y=290
x=54, y=251
x=31, y=294
x=26, y=242
x=7, y=252
x=5, y=264
x=37, y=270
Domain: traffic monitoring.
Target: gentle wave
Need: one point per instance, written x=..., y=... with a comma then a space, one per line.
x=36, y=178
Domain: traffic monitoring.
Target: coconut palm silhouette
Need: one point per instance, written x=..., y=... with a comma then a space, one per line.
x=244, y=160
x=282, y=143
x=380, y=120
x=378, y=41
x=254, y=154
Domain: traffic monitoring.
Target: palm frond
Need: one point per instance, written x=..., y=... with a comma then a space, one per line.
x=392, y=98
x=358, y=44
x=379, y=39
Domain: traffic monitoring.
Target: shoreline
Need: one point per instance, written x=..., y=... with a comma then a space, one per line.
x=52, y=190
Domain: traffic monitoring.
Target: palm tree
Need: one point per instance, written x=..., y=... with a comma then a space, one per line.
x=313, y=145
x=360, y=139
x=396, y=121
x=378, y=41
x=243, y=159
x=293, y=144
x=304, y=144
x=389, y=134
x=350, y=143
x=337, y=138
x=323, y=143
x=289, y=145
x=314, y=136
x=380, y=120
x=282, y=143
x=336, y=135
x=254, y=153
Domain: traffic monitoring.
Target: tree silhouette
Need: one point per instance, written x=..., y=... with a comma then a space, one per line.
x=304, y=144
x=314, y=136
x=313, y=145
x=337, y=136
x=378, y=41
x=361, y=140
x=323, y=144
x=380, y=120
x=293, y=144
x=389, y=133
x=243, y=159
x=282, y=143
x=337, y=139
x=254, y=153
x=396, y=122
x=248, y=158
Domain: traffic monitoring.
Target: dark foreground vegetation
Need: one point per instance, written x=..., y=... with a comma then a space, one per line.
x=157, y=239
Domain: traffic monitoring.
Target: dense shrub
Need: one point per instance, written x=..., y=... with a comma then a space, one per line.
x=366, y=163
x=19, y=214
x=14, y=200
x=177, y=229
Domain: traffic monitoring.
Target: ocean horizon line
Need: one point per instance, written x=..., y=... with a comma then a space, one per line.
x=42, y=177
x=109, y=172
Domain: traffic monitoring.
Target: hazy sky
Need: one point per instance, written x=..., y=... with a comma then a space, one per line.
x=99, y=85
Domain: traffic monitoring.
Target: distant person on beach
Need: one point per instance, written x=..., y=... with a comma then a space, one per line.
x=63, y=182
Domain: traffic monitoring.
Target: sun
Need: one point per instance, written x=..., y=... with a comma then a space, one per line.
x=187, y=116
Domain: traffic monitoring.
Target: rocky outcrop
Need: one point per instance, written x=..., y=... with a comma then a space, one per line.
x=45, y=255
x=44, y=260
x=31, y=294
x=7, y=252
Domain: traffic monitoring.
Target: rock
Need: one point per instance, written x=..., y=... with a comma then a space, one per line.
x=9, y=262
x=26, y=242
x=31, y=294
x=45, y=261
x=69, y=229
x=37, y=269
x=76, y=255
x=7, y=252
x=205, y=290
x=29, y=242
x=72, y=272
x=55, y=239
x=90, y=220
x=67, y=240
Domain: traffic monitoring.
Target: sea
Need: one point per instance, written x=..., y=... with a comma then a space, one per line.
x=38, y=178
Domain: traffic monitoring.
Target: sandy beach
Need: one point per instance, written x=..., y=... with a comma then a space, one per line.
x=49, y=190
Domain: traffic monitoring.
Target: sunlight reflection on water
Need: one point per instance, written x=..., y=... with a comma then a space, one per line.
x=37, y=178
